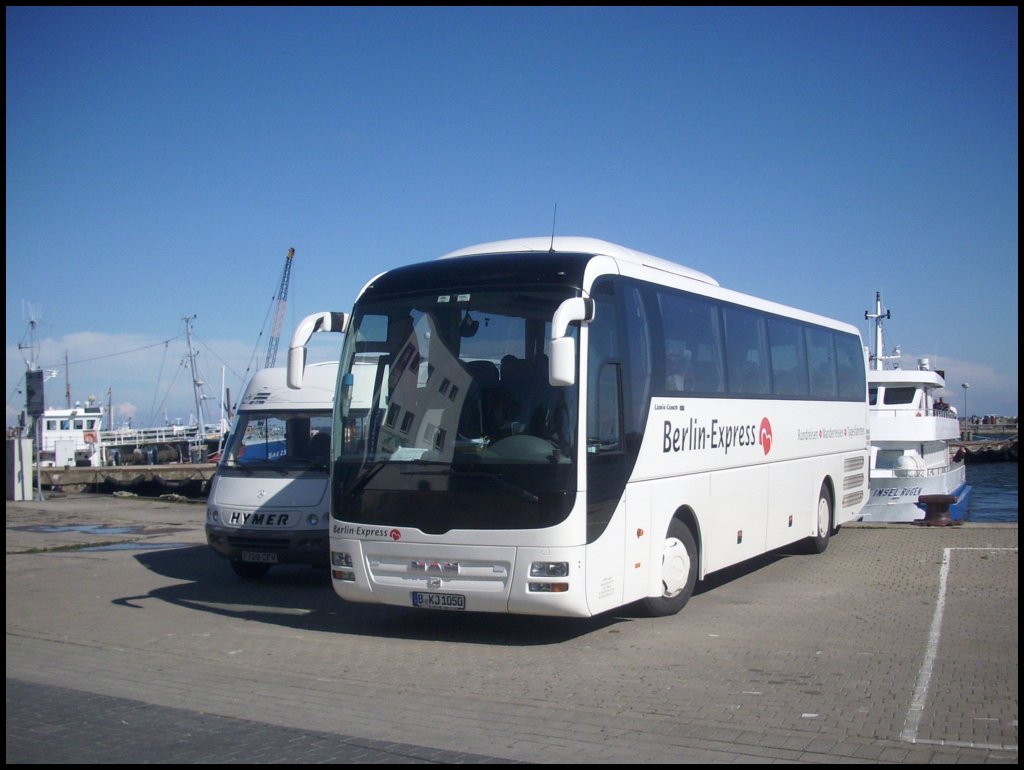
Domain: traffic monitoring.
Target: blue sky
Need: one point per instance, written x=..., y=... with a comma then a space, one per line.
x=161, y=162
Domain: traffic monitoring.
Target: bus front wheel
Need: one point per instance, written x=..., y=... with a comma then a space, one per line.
x=678, y=572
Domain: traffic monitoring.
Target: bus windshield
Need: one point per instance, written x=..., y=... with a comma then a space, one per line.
x=448, y=420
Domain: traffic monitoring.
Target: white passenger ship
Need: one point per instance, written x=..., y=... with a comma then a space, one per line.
x=911, y=431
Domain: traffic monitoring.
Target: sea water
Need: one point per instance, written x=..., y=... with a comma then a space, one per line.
x=993, y=491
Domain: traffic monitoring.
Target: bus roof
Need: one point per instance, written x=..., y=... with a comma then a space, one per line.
x=582, y=245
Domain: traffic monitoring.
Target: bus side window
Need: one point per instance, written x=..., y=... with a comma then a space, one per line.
x=821, y=361
x=605, y=434
x=849, y=355
x=691, y=330
x=746, y=346
x=789, y=359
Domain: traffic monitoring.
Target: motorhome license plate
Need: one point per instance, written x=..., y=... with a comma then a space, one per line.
x=432, y=601
x=259, y=557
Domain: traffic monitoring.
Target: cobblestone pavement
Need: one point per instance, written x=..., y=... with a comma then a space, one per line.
x=129, y=640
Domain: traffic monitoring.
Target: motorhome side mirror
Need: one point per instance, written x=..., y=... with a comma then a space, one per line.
x=347, y=382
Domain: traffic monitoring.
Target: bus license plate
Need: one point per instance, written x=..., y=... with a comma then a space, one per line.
x=432, y=601
x=259, y=557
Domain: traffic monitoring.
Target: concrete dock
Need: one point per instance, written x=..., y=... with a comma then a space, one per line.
x=130, y=641
x=193, y=477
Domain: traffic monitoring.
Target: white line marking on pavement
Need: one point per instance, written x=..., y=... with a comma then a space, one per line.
x=924, y=677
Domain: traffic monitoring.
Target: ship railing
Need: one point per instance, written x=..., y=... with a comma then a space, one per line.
x=911, y=413
x=914, y=473
x=163, y=435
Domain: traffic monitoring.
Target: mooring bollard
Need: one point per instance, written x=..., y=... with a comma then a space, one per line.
x=936, y=512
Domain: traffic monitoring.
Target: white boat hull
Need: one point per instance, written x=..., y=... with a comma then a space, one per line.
x=895, y=499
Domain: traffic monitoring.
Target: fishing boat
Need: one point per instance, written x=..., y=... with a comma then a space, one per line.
x=912, y=432
x=71, y=437
x=74, y=436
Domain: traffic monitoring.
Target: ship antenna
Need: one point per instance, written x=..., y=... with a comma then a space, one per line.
x=553, y=217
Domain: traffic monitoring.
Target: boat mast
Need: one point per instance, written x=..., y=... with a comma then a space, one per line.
x=197, y=384
x=67, y=381
x=878, y=357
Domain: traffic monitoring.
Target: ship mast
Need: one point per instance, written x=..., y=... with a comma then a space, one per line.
x=197, y=384
x=878, y=357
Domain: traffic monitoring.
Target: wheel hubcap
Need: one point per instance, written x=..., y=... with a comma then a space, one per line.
x=675, y=567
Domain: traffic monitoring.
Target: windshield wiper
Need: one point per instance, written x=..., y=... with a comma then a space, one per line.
x=363, y=480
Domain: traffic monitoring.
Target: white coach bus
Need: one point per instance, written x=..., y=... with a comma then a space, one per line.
x=563, y=426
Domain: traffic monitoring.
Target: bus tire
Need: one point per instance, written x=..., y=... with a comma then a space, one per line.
x=678, y=572
x=248, y=570
x=818, y=542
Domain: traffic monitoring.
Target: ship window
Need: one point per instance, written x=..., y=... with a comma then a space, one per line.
x=897, y=396
x=887, y=458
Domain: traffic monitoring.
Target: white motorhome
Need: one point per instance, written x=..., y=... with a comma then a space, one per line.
x=269, y=500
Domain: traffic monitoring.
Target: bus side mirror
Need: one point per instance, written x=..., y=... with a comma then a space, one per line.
x=562, y=366
x=308, y=326
x=296, y=367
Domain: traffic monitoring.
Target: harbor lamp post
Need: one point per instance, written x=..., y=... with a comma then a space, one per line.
x=965, y=386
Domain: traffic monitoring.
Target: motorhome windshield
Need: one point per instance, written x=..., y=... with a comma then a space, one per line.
x=285, y=440
x=462, y=425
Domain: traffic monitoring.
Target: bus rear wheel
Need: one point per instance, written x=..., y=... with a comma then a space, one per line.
x=678, y=572
x=818, y=542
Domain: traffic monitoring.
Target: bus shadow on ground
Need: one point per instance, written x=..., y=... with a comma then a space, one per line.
x=302, y=598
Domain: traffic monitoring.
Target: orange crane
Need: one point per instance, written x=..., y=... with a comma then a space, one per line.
x=280, y=301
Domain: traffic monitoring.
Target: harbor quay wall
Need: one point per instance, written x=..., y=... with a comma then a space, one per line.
x=189, y=479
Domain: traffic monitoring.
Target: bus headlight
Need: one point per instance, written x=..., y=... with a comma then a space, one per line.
x=312, y=520
x=341, y=566
x=212, y=516
x=341, y=559
x=549, y=569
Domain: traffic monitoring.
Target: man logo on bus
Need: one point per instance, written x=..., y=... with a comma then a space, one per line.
x=766, y=435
